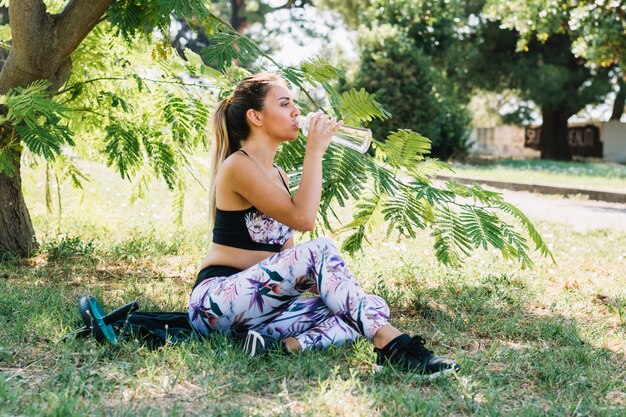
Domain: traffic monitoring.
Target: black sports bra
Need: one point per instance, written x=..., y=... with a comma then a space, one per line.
x=250, y=228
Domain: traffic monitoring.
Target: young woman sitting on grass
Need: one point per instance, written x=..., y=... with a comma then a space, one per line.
x=252, y=280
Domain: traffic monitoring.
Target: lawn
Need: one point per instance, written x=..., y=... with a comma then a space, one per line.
x=586, y=175
x=546, y=341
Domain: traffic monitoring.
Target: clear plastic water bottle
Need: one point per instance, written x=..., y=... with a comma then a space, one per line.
x=356, y=138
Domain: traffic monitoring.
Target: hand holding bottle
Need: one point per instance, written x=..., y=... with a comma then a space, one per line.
x=320, y=130
x=356, y=138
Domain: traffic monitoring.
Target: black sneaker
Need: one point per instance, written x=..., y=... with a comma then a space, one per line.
x=409, y=354
x=256, y=344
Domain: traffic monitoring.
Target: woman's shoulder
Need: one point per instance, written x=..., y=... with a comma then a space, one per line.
x=236, y=164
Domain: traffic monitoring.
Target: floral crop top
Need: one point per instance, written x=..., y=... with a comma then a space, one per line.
x=250, y=229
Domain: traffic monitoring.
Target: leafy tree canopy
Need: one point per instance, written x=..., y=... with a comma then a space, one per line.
x=134, y=104
x=597, y=28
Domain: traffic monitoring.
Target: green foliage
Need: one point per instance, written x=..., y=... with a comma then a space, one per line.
x=529, y=46
x=68, y=247
x=403, y=78
x=131, y=18
x=360, y=106
x=123, y=149
x=318, y=70
x=133, y=110
x=37, y=119
x=600, y=27
x=228, y=46
x=405, y=146
x=595, y=27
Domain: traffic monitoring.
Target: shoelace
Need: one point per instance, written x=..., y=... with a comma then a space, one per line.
x=417, y=346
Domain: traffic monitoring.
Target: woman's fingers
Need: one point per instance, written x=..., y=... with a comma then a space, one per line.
x=324, y=124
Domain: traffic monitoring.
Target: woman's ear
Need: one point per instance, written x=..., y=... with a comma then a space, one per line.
x=254, y=117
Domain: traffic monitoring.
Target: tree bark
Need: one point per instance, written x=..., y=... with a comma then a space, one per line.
x=40, y=50
x=553, y=141
x=238, y=22
x=620, y=100
x=17, y=236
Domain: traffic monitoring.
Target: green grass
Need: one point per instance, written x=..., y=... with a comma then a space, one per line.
x=531, y=343
x=588, y=175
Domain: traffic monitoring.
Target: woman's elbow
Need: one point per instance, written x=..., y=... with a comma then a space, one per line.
x=307, y=227
x=304, y=225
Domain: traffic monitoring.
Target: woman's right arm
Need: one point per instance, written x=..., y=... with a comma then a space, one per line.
x=309, y=193
x=300, y=211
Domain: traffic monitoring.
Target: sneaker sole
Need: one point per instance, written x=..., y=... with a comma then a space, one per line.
x=424, y=377
x=252, y=340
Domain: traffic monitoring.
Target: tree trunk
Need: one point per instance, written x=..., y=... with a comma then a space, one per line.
x=553, y=142
x=237, y=20
x=40, y=50
x=620, y=100
x=17, y=235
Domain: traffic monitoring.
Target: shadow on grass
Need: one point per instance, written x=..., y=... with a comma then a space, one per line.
x=514, y=360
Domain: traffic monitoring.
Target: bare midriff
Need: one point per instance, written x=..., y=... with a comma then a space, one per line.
x=235, y=257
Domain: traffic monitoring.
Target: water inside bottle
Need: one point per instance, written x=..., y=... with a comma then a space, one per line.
x=356, y=138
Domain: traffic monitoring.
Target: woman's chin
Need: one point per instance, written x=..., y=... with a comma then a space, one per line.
x=291, y=138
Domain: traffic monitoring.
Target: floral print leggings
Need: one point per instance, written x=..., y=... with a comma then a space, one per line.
x=267, y=298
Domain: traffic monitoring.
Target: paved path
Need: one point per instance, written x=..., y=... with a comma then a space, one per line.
x=581, y=214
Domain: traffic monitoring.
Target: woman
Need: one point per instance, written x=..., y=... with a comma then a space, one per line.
x=252, y=279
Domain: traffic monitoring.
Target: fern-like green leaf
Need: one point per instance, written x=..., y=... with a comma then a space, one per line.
x=360, y=106
x=367, y=214
x=515, y=245
x=117, y=101
x=404, y=213
x=177, y=112
x=293, y=75
x=404, y=148
x=385, y=180
x=354, y=242
x=185, y=9
x=482, y=227
x=164, y=163
x=45, y=139
x=428, y=168
x=228, y=47
x=432, y=194
x=318, y=70
x=451, y=240
x=344, y=178
x=540, y=245
x=122, y=149
x=75, y=175
x=38, y=119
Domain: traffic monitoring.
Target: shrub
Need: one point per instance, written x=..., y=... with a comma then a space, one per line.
x=418, y=97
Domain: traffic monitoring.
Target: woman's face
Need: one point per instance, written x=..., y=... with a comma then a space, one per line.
x=279, y=113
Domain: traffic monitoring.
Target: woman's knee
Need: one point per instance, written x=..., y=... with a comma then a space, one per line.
x=319, y=245
x=324, y=242
x=380, y=305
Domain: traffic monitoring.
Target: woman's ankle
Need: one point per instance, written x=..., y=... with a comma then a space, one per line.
x=292, y=344
x=384, y=335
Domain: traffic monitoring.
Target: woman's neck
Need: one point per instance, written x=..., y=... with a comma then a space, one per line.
x=262, y=152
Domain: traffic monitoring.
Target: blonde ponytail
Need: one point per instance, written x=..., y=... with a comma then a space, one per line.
x=230, y=125
x=219, y=152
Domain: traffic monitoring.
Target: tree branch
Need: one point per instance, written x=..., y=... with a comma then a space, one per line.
x=75, y=22
x=26, y=17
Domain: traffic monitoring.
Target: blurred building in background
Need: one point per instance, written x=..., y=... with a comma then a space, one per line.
x=601, y=140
